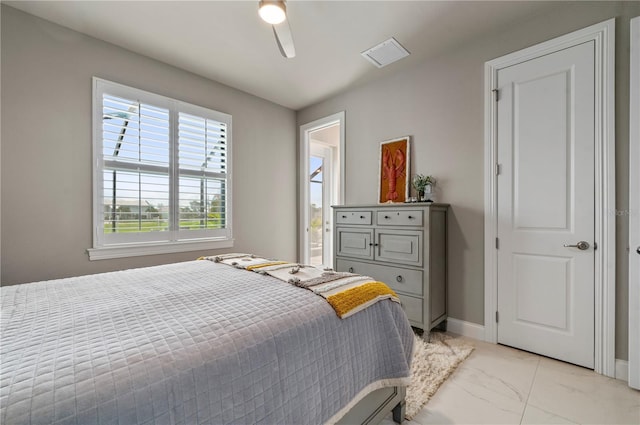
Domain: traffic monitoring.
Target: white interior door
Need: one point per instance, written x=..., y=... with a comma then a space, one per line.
x=546, y=142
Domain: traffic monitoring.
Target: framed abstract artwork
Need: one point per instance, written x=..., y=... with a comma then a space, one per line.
x=393, y=169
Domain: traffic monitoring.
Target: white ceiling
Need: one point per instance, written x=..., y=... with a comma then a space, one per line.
x=226, y=41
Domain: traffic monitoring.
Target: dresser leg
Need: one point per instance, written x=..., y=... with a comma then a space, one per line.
x=442, y=326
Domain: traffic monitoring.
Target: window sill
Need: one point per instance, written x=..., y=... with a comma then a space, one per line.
x=126, y=250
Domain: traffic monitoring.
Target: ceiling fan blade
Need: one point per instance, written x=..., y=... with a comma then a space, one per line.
x=284, y=39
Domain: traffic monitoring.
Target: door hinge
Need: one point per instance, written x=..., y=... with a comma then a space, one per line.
x=497, y=243
x=498, y=169
x=497, y=317
x=497, y=93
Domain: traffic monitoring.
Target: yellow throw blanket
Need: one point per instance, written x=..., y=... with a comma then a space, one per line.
x=347, y=293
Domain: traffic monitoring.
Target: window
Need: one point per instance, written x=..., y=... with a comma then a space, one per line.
x=162, y=177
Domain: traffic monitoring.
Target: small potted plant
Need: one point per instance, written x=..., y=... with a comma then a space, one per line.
x=424, y=186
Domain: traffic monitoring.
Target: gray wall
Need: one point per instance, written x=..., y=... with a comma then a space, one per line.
x=46, y=151
x=440, y=104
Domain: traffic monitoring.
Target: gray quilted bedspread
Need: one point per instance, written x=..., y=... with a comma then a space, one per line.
x=188, y=343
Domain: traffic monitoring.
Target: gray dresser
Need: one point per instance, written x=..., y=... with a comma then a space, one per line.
x=402, y=245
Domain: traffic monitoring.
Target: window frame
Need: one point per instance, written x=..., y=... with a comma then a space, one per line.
x=143, y=243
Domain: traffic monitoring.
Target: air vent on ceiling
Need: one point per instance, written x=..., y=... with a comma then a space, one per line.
x=385, y=53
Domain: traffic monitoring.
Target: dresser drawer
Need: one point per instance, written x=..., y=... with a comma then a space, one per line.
x=399, y=218
x=413, y=307
x=355, y=242
x=352, y=267
x=399, y=279
x=353, y=217
x=402, y=280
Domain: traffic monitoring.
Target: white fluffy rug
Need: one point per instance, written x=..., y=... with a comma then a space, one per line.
x=432, y=364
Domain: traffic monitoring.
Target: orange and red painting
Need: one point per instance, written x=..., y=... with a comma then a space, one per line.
x=393, y=180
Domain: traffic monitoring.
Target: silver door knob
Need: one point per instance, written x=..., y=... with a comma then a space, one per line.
x=582, y=245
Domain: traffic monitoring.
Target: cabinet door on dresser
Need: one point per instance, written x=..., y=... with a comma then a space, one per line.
x=399, y=246
x=353, y=242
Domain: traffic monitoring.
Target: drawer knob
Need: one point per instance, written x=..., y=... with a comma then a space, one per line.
x=399, y=278
x=387, y=217
x=350, y=269
x=411, y=217
x=344, y=216
x=362, y=216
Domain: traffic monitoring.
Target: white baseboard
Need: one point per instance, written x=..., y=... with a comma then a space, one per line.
x=468, y=329
x=622, y=370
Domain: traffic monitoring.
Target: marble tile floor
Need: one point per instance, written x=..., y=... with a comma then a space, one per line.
x=502, y=385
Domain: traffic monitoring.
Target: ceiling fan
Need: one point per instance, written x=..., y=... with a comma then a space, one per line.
x=275, y=13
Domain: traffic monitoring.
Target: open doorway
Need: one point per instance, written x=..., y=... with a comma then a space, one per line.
x=322, y=176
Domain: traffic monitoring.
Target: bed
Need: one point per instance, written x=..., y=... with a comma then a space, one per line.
x=197, y=342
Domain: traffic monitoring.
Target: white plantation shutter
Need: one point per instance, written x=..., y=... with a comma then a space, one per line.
x=136, y=153
x=162, y=170
x=202, y=169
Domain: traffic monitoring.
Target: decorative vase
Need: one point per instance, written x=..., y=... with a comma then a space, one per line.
x=428, y=193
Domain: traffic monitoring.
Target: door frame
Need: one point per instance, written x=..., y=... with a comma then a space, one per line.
x=303, y=175
x=634, y=207
x=603, y=35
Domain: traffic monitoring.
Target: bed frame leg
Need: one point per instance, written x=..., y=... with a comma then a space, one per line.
x=399, y=411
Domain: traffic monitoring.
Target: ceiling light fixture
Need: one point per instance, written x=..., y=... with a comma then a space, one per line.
x=273, y=12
